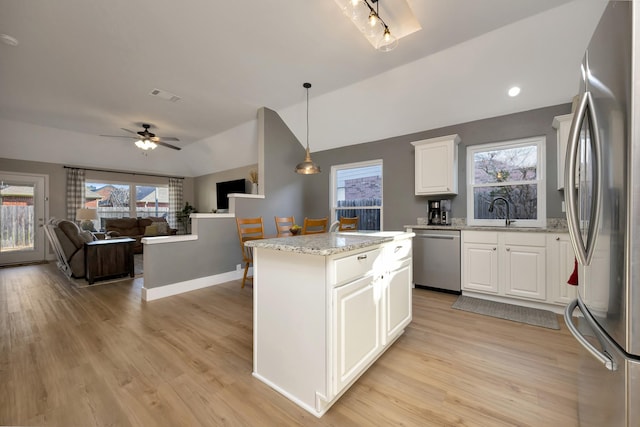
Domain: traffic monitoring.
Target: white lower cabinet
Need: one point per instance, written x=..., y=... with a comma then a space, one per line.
x=321, y=324
x=397, y=301
x=505, y=264
x=523, y=266
x=593, y=293
x=358, y=337
x=480, y=261
x=559, y=268
x=524, y=261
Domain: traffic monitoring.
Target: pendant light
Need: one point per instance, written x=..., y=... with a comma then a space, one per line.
x=307, y=167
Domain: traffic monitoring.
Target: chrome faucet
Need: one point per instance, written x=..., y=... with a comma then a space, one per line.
x=507, y=220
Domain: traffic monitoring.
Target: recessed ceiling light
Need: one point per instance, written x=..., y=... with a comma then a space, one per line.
x=8, y=40
x=514, y=91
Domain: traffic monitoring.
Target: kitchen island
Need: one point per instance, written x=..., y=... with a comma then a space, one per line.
x=326, y=306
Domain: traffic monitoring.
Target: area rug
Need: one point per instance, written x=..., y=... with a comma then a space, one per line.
x=516, y=313
x=137, y=269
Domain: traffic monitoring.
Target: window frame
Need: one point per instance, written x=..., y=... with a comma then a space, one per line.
x=541, y=182
x=333, y=205
x=133, y=209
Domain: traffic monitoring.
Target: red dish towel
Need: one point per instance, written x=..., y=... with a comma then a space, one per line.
x=573, y=279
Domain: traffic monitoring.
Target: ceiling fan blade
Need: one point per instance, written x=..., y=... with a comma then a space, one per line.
x=164, y=144
x=164, y=139
x=130, y=131
x=119, y=136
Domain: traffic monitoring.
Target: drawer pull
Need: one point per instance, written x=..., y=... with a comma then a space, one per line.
x=361, y=257
x=397, y=249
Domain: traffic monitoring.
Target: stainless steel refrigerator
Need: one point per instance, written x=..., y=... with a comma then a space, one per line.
x=602, y=194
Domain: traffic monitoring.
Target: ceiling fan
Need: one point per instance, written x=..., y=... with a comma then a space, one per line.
x=147, y=140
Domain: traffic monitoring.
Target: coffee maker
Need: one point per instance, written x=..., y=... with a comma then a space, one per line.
x=439, y=212
x=434, y=212
x=445, y=212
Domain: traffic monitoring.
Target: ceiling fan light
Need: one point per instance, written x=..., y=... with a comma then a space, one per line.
x=146, y=144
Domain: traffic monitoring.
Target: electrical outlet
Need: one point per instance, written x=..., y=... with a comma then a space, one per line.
x=563, y=209
x=239, y=266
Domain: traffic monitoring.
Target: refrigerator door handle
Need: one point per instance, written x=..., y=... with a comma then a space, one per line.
x=602, y=357
x=583, y=249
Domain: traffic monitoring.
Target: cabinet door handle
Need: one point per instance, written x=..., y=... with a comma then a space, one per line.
x=557, y=238
x=508, y=249
x=361, y=257
x=397, y=249
x=495, y=249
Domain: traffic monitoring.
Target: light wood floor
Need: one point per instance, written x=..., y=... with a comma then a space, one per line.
x=99, y=356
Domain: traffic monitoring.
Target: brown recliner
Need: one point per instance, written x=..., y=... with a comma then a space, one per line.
x=67, y=240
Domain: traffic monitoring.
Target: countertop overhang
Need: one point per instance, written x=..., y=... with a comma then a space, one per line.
x=329, y=243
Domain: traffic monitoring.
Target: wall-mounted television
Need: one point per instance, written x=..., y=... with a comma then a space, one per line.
x=223, y=189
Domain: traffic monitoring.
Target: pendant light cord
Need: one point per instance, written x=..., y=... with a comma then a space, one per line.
x=307, y=86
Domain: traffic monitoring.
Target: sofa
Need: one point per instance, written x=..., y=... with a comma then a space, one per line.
x=67, y=240
x=137, y=228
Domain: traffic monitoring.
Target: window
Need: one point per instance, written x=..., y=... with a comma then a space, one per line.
x=356, y=190
x=116, y=200
x=513, y=171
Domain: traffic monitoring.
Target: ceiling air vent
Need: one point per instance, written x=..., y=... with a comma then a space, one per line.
x=163, y=94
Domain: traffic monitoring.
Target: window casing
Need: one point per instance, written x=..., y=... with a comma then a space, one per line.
x=356, y=190
x=514, y=170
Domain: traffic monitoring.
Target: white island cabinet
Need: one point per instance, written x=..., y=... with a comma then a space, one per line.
x=326, y=307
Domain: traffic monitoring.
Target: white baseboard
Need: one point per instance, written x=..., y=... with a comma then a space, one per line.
x=150, y=294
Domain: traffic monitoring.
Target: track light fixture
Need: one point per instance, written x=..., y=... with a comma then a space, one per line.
x=367, y=18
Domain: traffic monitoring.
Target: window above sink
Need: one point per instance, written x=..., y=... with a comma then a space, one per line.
x=506, y=183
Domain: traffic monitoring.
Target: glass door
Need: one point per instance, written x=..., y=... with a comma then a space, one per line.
x=22, y=215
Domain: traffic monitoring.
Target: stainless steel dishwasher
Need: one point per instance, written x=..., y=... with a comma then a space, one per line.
x=436, y=259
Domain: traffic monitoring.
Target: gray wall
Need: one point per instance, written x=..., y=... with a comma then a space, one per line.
x=216, y=251
x=285, y=191
x=401, y=206
x=205, y=186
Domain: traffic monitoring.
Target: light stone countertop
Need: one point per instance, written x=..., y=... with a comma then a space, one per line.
x=479, y=228
x=328, y=243
x=554, y=225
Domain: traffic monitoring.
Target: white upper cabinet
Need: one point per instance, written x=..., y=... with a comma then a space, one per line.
x=437, y=165
x=562, y=124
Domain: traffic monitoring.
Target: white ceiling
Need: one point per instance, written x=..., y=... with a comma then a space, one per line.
x=85, y=68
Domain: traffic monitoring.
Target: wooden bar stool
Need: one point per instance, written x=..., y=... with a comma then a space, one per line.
x=284, y=224
x=348, y=224
x=248, y=229
x=315, y=226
